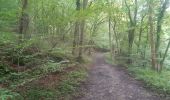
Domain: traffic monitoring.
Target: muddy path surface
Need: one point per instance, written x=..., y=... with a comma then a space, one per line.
x=107, y=82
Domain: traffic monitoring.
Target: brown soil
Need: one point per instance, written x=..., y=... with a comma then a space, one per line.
x=107, y=82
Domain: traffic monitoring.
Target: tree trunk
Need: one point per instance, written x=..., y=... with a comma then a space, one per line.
x=131, y=39
x=24, y=18
x=159, y=28
x=131, y=32
x=116, y=37
x=82, y=26
x=165, y=54
x=81, y=39
x=140, y=34
x=159, y=23
x=77, y=30
x=151, y=32
x=110, y=39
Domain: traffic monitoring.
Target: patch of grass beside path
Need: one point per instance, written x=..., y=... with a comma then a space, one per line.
x=159, y=82
x=156, y=81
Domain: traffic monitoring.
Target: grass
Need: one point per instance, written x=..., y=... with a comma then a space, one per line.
x=154, y=80
x=7, y=37
x=159, y=82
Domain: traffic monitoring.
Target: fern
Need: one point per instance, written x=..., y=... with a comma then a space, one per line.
x=9, y=95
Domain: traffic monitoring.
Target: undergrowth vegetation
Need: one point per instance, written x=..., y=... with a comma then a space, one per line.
x=64, y=89
x=23, y=65
x=159, y=82
x=156, y=81
x=41, y=37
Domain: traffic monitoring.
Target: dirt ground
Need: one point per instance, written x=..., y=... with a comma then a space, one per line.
x=107, y=82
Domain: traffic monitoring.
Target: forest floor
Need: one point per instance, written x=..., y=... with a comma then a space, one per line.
x=108, y=82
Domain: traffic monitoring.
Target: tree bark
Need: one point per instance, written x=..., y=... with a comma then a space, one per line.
x=151, y=32
x=110, y=39
x=81, y=39
x=24, y=18
x=159, y=30
x=77, y=29
x=159, y=23
x=131, y=31
x=115, y=34
x=165, y=54
x=82, y=27
x=140, y=33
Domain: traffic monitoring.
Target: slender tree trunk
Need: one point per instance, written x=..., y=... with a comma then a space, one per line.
x=131, y=40
x=115, y=34
x=165, y=54
x=159, y=23
x=145, y=46
x=82, y=25
x=24, y=18
x=77, y=29
x=76, y=35
x=131, y=32
x=110, y=38
x=81, y=39
x=140, y=34
x=159, y=30
x=151, y=32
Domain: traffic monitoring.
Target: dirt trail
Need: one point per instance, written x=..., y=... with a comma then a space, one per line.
x=106, y=82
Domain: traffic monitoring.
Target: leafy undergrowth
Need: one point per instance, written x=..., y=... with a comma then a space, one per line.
x=15, y=79
x=6, y=94
x=156, y=81
x=153, y=80
x=61, y=88
x=58, y=85
x=68, y=86
x=30, y=72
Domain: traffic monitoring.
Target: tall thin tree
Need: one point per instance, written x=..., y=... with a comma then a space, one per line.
x=77, y=29
x=151, y=33
x=24, y=18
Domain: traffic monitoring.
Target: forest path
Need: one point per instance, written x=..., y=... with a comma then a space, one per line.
x=106, y=82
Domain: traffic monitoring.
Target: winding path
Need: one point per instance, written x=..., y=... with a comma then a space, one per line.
x=106, y=82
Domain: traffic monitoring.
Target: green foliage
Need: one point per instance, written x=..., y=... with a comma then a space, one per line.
x=15, y=79
x=9, y=95
x=7, y=37
x=154, y=80
x=8, y=14
x=39, y=93
x=50, y=37
x=63, y=89
x=158, y=81
x=68, y=86
x=4, y=69
x=59, y=54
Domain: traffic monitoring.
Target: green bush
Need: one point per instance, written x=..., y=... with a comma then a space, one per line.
x=4, y=69
x=9, y=95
